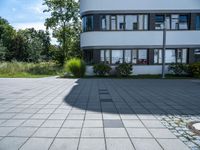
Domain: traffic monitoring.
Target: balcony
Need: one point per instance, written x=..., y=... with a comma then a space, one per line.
x=139, y=39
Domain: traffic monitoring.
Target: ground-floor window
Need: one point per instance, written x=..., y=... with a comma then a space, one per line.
x=134, y=56
x=171, y=56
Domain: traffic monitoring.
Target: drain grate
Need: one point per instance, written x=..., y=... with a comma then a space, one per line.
x=194, y=127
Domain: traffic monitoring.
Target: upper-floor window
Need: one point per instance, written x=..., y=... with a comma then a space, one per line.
x=88, y=23
x=113, y=21
x=131, y=22
x=124, y=22
x=105, y=22
x=120, y=22
x=173, y=21
x=198, y=22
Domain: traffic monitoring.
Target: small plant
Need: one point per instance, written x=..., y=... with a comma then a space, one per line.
x=124, y=70
x=178, y=69
x=194, y=69
x=76, y=67
x=101, y=69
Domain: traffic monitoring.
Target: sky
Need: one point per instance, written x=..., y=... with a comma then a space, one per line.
x=23, y=14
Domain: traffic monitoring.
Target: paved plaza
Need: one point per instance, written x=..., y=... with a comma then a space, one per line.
x=98, y=114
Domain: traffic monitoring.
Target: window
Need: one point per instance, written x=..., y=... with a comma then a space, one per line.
x=127, y=56
x=88, y=23
x=117, y=56
x=198, y=22
x=183, y=22
x=134, y=56
x=143, y=22
x=131, y=22
x=181, y=55
x=157, y=56
x=105, y=22
x=102, y=56
x=174, y=22
x=159, y=22
x=105, y=56
x=197, y=51
x=113, y=22
x=120, y=22
x=142, y=56
x=171, y=56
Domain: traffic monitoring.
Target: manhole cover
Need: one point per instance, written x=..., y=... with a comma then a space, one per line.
x=194, y=127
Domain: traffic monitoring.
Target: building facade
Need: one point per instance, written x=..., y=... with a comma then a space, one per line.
x=131, y=31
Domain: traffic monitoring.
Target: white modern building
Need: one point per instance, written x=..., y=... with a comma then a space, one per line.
x=131, y=31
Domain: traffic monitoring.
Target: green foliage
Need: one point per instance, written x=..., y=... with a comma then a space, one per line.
x=101, y=69
x=124, y=69
x=64, y=21
x=11, y=69
x=194, y=69
x=179, y=69
x=76, y=67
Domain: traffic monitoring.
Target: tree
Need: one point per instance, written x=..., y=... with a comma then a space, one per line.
x=7, y=34
x=64, y=14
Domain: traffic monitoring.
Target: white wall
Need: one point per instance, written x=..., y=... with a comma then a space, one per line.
x=137, y=70
x=132, y=5
x=139, y=38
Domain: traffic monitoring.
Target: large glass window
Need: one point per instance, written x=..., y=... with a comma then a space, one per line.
x=105, y=56
x=142, y=56
x=143, y=22
x=159, y=22
x=88, y=24
x=171, y=56
x=120, y=22
x=174, y=22
x=131, y=22
x=117, y=56
x=134, y=56
x=127, y=56
x=105, y=22
x=198, y=22
x=113, y=22
x=183, y=22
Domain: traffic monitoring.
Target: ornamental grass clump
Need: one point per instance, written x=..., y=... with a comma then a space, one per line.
x=76, y=67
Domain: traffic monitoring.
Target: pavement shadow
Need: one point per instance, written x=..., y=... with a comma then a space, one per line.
x=128, y=96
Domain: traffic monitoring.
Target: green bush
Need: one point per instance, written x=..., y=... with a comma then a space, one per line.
x=101, y=69
x=76, y=67
x=124, y=70
x=194, y=69
x=179, y=69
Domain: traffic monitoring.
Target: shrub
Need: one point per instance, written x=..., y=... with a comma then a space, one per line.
x=76, y=67
x=124, y=69
x=101, y=69
x=194, y=69
x=178, y=69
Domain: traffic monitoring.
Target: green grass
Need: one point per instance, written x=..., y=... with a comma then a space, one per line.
x=29, y=70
